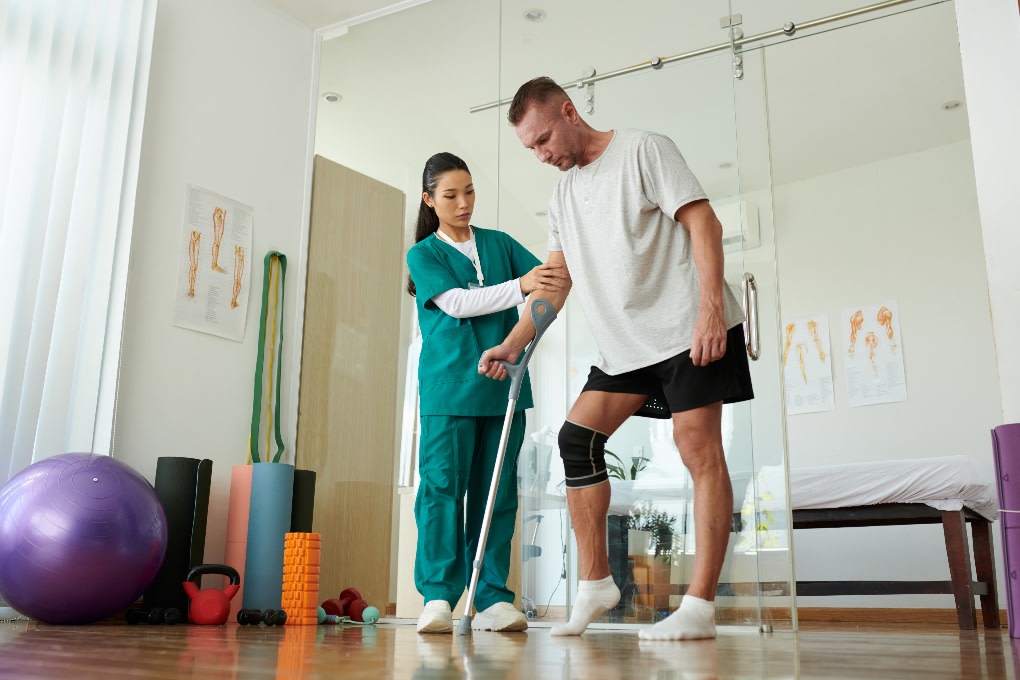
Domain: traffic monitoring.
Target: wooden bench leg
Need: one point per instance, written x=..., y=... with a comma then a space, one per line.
x=984, y=566
x=958, y=552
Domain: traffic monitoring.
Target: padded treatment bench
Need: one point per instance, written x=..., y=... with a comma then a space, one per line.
x=944, y=490
x=962, y=584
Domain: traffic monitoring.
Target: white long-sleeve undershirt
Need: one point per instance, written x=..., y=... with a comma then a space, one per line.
x=463, y=303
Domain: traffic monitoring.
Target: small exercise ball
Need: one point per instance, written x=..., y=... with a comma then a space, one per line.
x=81, y=538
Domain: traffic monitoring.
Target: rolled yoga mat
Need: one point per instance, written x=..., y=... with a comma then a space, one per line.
x=302, y=509
x=237, y=528
x=272, y=494
x=182, y=486
x=1006, y=448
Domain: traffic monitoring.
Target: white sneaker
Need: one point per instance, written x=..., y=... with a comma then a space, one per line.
x=500, y=617
x=437, y=618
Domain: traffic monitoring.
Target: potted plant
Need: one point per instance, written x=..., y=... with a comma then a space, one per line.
x=622, y=541
x=659, y=524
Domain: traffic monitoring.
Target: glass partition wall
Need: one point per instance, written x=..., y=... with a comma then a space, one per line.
x=712, y=105
x=761, y=147
x=392, y=114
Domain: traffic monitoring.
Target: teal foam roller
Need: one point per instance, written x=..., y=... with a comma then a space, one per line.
x=272, y=489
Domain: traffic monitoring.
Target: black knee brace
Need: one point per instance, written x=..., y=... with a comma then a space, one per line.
x=583, y=451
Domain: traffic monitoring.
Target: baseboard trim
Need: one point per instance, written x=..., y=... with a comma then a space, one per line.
x=883, y=615
x=780, y=617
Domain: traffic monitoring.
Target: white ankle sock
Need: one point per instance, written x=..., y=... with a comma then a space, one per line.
x=594, y=598
x=694, y=619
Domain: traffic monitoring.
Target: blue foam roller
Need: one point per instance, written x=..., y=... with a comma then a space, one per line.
x=272, y=491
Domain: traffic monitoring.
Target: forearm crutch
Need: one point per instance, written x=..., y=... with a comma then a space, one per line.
x=542, y=314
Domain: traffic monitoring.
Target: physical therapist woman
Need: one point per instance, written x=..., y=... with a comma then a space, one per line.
x=467, y=282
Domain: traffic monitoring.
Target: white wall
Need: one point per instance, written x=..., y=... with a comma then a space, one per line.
x=905, y=229
x=989, y=33
x=379, y=130
x=228, y=110
x=990, y=47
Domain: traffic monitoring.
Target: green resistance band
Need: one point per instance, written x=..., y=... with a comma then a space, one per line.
x=276, y=284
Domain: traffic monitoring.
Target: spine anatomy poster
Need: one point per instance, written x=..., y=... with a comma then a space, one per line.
x=874, y=355
x=807, y=365
x=213, y=276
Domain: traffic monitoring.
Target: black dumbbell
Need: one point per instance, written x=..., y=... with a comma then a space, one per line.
x=153, y=616
x=134, y=616
x=253, y=617
x=274, y=617
x=172, y=616
x=249, y=617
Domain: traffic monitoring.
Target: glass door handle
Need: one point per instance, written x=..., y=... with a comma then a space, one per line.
x=750, y=289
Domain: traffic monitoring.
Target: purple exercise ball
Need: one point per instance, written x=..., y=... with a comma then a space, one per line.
x=82, y=537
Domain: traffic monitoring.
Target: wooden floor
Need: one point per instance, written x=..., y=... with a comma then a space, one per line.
x=394, y=650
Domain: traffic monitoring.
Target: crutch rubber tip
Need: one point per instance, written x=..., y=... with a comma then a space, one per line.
x=464, y=625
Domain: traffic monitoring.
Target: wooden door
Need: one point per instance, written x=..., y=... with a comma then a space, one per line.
x=347, y=412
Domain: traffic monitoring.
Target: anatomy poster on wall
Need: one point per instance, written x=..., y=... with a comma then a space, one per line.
x=213, y=276
x=874, y=355
x=807, y=365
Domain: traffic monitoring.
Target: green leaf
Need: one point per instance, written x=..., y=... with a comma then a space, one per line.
x=637, y=465
x=615, y=471
x=619, y=471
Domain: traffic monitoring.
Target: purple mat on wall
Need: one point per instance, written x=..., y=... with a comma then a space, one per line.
x=1006, y=447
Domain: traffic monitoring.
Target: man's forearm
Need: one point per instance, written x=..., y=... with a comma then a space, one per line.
x=706, y=245
x=524, y=331
x=708, y=258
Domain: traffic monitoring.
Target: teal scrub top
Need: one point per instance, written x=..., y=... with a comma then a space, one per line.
x=448, y=380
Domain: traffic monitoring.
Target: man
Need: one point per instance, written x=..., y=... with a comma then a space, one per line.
x=643, y=249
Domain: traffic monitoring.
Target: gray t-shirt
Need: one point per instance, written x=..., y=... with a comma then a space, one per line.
x=632, y=264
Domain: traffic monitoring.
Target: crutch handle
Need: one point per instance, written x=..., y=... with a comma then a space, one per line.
x=542, y=315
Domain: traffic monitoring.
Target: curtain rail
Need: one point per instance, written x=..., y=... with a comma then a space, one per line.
x=658, y=62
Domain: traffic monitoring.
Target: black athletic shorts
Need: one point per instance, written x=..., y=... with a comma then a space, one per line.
x=676, y=384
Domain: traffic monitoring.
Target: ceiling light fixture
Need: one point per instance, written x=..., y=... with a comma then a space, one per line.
x=331, y=97
x=535, y=15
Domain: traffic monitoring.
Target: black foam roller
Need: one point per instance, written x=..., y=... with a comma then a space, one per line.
x=303, y=507
x=182, y=486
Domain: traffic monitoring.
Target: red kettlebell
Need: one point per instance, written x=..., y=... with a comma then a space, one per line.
x=210, y=606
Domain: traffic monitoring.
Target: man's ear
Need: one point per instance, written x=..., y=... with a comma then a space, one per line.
x=569, y=111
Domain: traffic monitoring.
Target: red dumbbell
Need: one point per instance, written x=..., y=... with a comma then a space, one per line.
x=351, y=594
x=335, y=607
x=362, y=612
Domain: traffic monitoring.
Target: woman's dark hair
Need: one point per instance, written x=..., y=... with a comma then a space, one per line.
x=428, y=223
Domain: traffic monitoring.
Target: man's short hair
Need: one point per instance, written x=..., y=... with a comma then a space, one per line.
x=539, y=90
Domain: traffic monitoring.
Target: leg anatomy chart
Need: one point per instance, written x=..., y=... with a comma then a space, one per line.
x=213, y=276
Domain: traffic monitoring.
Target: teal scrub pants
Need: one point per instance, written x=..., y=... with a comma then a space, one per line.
x=456, y=458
